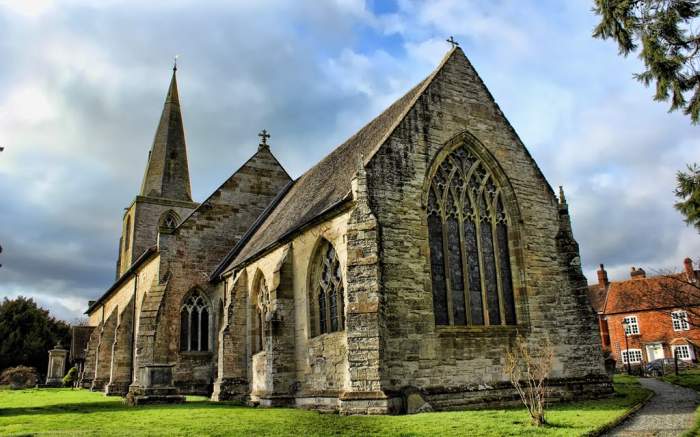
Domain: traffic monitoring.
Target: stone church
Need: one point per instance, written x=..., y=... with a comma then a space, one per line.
x=406, y=261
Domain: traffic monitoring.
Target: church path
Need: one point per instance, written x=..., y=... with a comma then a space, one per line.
x=669, y=413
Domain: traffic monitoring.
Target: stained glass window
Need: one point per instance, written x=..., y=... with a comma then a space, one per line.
x=327, y=298
x=469, y=253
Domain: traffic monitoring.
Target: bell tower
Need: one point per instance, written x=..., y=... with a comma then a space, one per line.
x=165, y=197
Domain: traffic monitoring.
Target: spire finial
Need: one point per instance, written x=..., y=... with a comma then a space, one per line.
x=175, y=62
x=562, y=198
x=452, y=41
x=263, y=138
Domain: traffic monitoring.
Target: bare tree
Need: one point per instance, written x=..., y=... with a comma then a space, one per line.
x=668, y=291
x=528, y=367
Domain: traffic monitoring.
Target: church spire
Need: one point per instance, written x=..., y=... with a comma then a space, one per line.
x=167, y=174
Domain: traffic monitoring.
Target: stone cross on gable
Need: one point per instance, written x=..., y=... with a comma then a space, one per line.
x=452, y=41
x=264, y=136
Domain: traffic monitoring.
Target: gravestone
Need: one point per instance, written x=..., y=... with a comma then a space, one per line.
x=57, y=366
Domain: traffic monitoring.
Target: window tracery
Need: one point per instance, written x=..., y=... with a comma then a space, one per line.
x=327, y=298
x=169, y=220
x=468, y=237
x=194, y=323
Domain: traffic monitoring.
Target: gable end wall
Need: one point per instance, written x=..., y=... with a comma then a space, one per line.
x=416, y=353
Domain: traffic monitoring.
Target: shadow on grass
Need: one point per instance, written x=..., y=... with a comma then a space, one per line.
x=102, y=407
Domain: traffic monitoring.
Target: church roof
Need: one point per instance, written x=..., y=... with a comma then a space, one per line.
x=327, y=184
x=167, y=174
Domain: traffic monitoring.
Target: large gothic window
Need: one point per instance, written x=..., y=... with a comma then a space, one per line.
x=326, y=297
x=469, y=254
x=194, y=323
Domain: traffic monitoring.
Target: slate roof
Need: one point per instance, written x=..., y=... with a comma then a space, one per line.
x=327, y=184
x=147, y=255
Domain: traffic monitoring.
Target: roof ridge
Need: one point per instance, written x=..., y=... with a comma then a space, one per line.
x=331, y=175
x=422, y=86
x=225, y=182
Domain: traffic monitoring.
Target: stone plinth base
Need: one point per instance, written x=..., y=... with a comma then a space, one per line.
x=372, y=403
x=155, y=387
x=117, y=388
x=230, y=389
x=53, y=382
x=98, y=384
x=271, y=400
x=502, y=394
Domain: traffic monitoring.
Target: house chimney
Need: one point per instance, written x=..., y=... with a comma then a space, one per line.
x=689, y=272
x=638, y=273
x=603, y=277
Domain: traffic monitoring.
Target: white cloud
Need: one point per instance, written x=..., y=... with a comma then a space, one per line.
x=27, y=8
x=81, y=98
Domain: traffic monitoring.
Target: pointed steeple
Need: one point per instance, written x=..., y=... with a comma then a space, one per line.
x=167, y=173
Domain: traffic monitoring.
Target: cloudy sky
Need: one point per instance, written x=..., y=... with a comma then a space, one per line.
x=82, y=85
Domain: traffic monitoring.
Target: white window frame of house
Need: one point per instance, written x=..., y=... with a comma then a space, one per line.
x=632, y=325
x=636, y=356
x=679, y=319
x=687, y=356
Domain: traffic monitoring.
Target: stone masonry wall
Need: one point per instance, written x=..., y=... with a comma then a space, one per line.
x=195, y=248
x=90, y=358
x=122, y=350
x=320, y=364
x=103, y=353
x=416, y=352
x=145, y=214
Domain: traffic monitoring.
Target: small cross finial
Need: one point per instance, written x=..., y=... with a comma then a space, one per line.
x=264, y=136
x=452, y=41
x=175, y=62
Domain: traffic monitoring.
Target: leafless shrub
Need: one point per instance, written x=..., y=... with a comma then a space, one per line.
x=19, y=377
x=528, y=368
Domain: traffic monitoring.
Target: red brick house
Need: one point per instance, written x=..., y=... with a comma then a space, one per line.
x=660, y=313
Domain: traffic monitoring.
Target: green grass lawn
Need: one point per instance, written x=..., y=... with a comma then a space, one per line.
x=80, y=412
x=691, y=379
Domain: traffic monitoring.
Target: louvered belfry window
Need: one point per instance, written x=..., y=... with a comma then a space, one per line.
x=468, y=234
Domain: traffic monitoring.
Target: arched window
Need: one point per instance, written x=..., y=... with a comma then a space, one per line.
x=127, y=233
x=169, y=220
x=260, y=308
x=194, y=323
x=326, y=297
x=468, y=234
